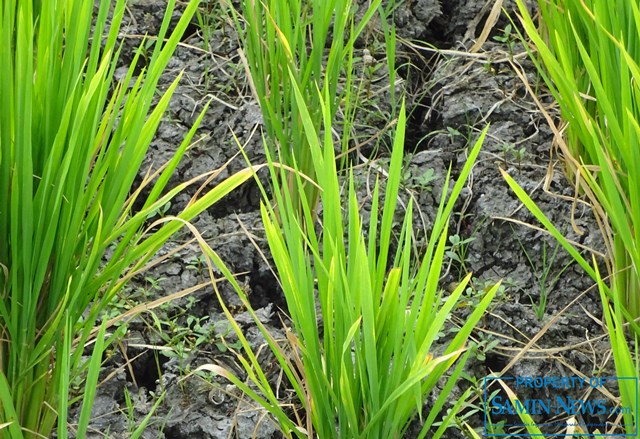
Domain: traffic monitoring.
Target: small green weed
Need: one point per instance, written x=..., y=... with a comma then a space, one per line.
x=151, y=287
x=457, y=250
x=182, y=338
x=511, y=152
x=471, y=409
x=453, y=133
x=474, y=293
x=508, y=37
x=546, y=280
x=418, y=180
x=197, y=264
x=135, y=428
x=482, y=345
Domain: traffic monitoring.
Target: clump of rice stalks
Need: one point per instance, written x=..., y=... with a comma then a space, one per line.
x=72, y=140
x=589, y=55
x=365, y=369
x=314, y=41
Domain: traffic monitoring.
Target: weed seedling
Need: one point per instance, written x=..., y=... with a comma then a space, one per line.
x=545, y=283
x=491, y=427
x=507, y=38
x=457, y=251
x=370, y=67
x=509, y=151
x=424, y=179
x=506, y=150
x=151, y=285
x=483, y=345
x=135, y=431
x=223, y=330
x=197, y=264
x=162, y=211
x=519, y=155
x=418, y=180
x=453, y=133
x=131, y=420
x=182, y=338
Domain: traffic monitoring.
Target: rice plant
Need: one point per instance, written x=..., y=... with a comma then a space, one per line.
x=365, y=322
x=72, y=140
x=588, y=54
x=314, y=40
